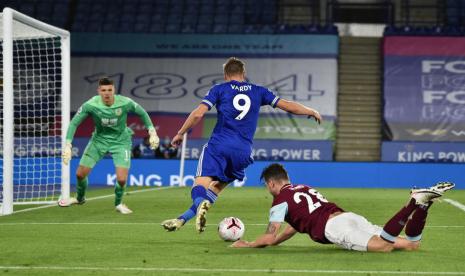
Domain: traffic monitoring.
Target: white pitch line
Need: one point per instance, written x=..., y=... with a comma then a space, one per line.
x=158, y=223
x=93, y=198
x=240, y=270
x=455, y=203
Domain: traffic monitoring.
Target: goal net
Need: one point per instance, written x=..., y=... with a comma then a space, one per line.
x=34, y=102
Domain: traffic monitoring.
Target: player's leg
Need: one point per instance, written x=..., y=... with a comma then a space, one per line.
x=121, y=154
x=354, y=232
x=416, y=223
x=420, y=201
x=231, y=167
x=210, y=166
x=203, y=195
x=82, y=182
x=92, y=154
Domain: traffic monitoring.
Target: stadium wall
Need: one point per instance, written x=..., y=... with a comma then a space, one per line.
x=319, y=174
x=424, y=95
x=170, y=74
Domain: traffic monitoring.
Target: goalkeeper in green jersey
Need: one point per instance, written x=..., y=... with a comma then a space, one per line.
x=111, y=135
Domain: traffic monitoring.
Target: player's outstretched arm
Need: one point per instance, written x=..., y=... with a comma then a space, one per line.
x=288, y=233
x=154, y=140
x=264, y=240
x=81, y=114
x=298, y=109
x=193, y=119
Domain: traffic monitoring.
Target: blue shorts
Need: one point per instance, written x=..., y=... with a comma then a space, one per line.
x=223, y=163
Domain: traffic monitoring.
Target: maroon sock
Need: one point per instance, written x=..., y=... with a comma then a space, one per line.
x=395, y=225
x=415, y=225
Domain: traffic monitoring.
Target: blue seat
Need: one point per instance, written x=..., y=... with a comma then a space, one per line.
x=205, y=19
x=145, y=8
x=235, y=28
x=222, y=9
x=94, y=26
x=27, y=8
x=268, y=17
x=220, y=28
x=60, y=8
x=158, y=18
x=143, y=18
x=125, y=27
x=188, y=28
x=109, y=27
x=207, y=9
x=174, y=19
x=173, y=28
x=128, y=17
x=221, y=18
x=203, y=28
x=190, y=19
x=251, y=29
x=157, y=28
x=236, y=18
x=267, y=29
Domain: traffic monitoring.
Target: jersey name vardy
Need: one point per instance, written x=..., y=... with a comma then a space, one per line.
x=241, y=88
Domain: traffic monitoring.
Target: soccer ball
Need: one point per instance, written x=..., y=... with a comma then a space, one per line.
x=231, y=229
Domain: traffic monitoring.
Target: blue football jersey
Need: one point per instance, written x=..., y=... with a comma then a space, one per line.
x=238, y=106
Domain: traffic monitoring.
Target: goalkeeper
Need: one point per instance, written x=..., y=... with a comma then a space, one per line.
x=111, y=135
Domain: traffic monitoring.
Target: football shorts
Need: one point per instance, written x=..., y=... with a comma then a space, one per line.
x=223, y=163
x=96, y=150
x=351, y=231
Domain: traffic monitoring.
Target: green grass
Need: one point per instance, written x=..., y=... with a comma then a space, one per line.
x=93, y=239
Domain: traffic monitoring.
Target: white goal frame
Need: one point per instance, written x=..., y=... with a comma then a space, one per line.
x=9, y=16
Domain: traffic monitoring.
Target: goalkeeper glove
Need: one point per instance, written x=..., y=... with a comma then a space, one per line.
x=67, y=153
x=154, y=140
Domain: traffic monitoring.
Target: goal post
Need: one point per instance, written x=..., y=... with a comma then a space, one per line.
x=35, y=103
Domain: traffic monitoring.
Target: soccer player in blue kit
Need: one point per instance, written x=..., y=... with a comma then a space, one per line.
x=228, y=152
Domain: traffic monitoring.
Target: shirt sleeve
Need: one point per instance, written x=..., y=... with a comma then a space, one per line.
x=81, y=114
x=211, y=98
x=278, y=212
x=269, y=98
x=136, y=108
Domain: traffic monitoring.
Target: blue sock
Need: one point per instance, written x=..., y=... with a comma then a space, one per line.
x=198, y=194
x=211, y=196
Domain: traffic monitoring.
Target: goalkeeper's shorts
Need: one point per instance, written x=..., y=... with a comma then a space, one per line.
x=223, y=163
x=96, y=150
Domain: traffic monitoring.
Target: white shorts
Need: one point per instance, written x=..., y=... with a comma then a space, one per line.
x=351, y=231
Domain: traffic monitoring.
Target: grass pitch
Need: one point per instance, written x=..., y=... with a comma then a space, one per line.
x=93, y=239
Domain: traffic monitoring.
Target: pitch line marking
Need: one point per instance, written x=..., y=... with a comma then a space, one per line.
x=158, y=223
x=455, y=203
x=93, y=198
x=269, y=270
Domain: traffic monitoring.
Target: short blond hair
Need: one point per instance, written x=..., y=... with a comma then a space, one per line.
x=234, y=66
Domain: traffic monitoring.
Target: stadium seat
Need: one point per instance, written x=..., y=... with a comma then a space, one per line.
x=173, y=28
x=205, y=19
x=251, y=29
x=188, y=28
x=157, y=28
x=220, y=29
x=189, y=19
x=221, y=18
x=94, y=26
x=109, y=27
x=126, y=27
x=235, y=28
x=267, y=29
x=203, y=28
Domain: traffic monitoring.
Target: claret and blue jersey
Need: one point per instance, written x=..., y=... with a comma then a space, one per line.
x=229, y=149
